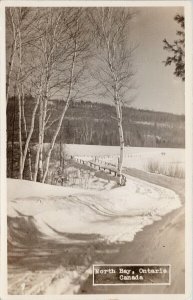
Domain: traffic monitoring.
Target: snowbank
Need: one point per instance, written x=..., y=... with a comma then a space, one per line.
x=115, y=215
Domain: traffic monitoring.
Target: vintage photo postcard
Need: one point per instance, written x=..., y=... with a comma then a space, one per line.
x=96, y=150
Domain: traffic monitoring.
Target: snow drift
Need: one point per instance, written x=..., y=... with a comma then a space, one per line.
x=115, y=215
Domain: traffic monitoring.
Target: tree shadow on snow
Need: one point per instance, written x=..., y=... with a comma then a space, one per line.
x=29, y=249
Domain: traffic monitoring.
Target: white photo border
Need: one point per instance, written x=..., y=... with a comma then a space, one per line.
x=188, y=150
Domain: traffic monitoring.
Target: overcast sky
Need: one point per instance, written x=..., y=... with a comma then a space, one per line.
x=158, y=89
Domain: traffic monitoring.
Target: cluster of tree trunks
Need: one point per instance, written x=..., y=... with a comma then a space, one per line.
x=51, y=51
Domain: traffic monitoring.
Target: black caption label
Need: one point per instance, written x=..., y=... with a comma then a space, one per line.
x=131, y=274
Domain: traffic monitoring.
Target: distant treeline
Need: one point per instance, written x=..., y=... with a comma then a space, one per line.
x=96, y=124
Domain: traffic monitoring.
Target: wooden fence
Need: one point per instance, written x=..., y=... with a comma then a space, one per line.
x=99, y=167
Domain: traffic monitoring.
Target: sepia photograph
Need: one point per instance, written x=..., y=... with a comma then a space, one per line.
x=96, y=144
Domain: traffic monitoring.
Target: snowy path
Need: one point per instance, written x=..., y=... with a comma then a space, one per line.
x=162, y=242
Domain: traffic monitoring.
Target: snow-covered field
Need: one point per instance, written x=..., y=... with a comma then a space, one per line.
x=134, y=157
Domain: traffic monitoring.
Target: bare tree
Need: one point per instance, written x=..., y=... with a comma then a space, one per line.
x=113, y=68
x=72, y=68
x=19, y=99
x=20, y=72
x=48, y=45
x=28, y=38
x=15, y=72
x=16, y=17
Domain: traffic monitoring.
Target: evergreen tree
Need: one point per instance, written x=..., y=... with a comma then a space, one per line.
x=177, y=50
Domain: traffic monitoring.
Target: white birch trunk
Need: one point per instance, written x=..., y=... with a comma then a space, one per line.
x=45, y=104
x=121, y=138
x=30, y=131
x=42, y=122
x=20, y=136
x=25, y=130
x=19, y=108
x=39, y=142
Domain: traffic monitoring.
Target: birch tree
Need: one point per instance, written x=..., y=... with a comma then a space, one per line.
x=15, y=75
x=20, y=73
x=34, y=74
x=30, y=72
x=113, y=66
x=71, y=69
x=19, y=98
x=49, y=47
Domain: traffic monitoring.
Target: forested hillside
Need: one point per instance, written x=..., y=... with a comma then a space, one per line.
x=95, y=124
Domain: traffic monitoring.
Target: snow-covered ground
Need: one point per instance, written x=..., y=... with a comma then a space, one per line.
x=135, y=157
x=77, y=216
x=114, y=215
x=57, y=282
